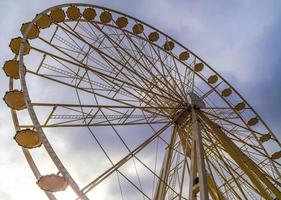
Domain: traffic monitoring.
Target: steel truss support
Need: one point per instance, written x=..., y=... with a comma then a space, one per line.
x=213, y=189
x=198, y=175
x=161, y=189
x=252, y=170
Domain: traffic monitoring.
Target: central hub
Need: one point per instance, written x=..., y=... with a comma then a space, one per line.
x=182, y=115
x=196, y=101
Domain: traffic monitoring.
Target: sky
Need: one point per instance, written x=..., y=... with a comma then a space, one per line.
x=240, y=39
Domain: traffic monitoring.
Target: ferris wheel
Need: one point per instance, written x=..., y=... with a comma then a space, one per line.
x=100, y=99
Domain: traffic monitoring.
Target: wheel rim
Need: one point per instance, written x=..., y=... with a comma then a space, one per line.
x=155, y=92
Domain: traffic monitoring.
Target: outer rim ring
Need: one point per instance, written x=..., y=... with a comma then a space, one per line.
x=37, y=125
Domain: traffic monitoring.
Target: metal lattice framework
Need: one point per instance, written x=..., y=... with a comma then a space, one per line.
x=146, y=116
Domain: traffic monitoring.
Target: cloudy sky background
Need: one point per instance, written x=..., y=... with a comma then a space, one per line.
x=239, y=38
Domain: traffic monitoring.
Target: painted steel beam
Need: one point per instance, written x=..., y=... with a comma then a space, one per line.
x=253, y=171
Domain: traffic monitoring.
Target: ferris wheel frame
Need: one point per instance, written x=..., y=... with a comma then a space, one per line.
x=204, y=184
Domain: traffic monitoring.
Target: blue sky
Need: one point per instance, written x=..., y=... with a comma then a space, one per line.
x=239, y=38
